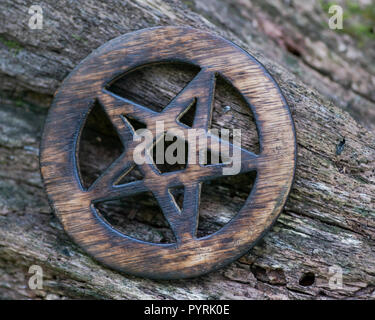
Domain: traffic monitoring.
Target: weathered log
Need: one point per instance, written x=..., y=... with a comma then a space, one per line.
x=329, y=220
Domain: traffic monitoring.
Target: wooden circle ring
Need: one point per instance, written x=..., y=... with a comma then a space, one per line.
x=189, y=256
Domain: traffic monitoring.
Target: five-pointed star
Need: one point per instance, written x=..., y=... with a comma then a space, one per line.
x=182, y=221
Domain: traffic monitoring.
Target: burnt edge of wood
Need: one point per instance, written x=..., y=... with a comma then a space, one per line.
x=275, y=165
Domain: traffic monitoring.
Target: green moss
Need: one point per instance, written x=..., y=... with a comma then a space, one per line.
x=11, y=45
x=79, y=38
x=20, y=103
x=364, y=212
x=359, y=21
x=189, y=3
x=361, y=31
x=326, y=4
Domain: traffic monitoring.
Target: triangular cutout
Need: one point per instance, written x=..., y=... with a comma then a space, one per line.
x=221, y=199
x=99, y=145
x=137, y=216
x=232, y=111
x=188, y=115
x=154, y=85
x=131, y=175
x=134, y=123
x=165, y=161
x=178, y=195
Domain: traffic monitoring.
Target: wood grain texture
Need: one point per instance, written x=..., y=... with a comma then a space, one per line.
x=75, y=205
x=329, y=218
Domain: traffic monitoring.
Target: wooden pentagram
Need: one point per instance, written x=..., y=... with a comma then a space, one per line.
x=189, y=256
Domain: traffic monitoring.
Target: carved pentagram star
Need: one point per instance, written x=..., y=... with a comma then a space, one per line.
x=183, y=221
x=191, y=255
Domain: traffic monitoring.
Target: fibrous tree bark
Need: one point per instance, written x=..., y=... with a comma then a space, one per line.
x=327, y=228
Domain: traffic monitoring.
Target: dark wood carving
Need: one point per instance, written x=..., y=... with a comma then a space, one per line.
x=75, y=205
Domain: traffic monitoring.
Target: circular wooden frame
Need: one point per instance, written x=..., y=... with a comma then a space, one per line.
x=190, y=256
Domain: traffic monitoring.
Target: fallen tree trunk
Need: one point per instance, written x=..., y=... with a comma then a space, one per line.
x=327, y=228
